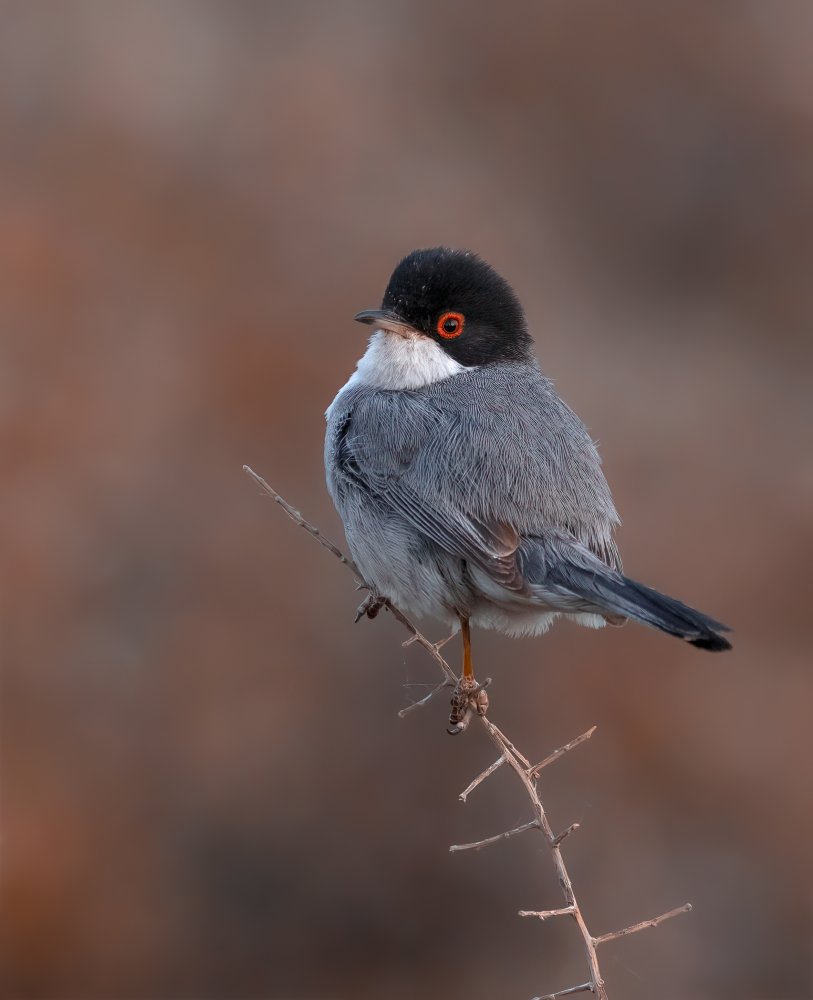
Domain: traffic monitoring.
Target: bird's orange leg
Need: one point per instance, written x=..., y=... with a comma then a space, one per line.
x=469, y=696
x=465, y=631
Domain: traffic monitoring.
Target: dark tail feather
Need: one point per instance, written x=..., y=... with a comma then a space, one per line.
x=626, y=597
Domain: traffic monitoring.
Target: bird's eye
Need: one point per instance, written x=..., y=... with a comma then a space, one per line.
x=450, y=325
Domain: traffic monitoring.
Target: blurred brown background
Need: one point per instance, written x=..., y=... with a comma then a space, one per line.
x=205, y=790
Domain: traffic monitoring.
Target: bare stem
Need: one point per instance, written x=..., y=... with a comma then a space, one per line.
x=561, y=752
x=644, y=924
x=521, y=769
x=519, y=764
x=565, y=833
x=481, y=777
x=584, y=988
x=533, y=771
x=419, y=704
x=430, y=647
x=493, y=840
x=565, y=911
x=297, y=518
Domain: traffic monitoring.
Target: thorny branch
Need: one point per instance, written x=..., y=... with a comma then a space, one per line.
x=508, y=754
x=497, y=836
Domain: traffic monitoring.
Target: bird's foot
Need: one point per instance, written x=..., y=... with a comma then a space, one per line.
x=468, y=697
x=369, y=607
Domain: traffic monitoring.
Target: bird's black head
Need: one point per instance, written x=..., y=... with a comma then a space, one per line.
x=459, y=301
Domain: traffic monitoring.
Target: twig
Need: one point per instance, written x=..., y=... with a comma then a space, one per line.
x=521, y=769
x=534, y=773
x=565, y=833
x=430, y=647
x=300, y=520
x=297, y=518
x=493, y=840
x=644, y=924
x=419, y=704
x=519, y=764
x=584, y=988
x=481, y=777
x=565, y=911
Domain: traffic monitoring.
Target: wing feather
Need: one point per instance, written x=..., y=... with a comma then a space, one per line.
x=478, y=462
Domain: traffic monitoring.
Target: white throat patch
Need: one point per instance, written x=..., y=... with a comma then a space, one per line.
x=395, y=362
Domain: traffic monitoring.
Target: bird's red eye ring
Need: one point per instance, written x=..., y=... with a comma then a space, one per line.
x=450, y=325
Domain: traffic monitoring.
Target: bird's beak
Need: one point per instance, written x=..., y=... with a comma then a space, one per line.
x=386, y=319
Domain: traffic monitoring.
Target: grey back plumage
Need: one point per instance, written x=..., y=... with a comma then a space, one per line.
x=468, y=458
x=482, y=494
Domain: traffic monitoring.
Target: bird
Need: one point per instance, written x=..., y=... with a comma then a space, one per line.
x=468, y=489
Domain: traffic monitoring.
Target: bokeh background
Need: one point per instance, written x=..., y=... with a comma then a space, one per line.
x=205, y=789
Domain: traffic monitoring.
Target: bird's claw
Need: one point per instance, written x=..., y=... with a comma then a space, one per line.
x=370, y=607
x=481, y=698
x=468, y=697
